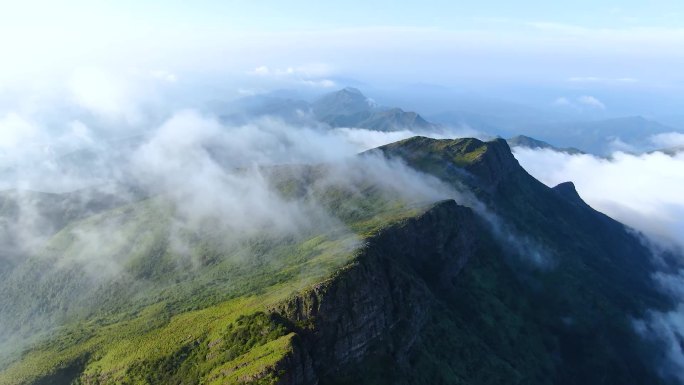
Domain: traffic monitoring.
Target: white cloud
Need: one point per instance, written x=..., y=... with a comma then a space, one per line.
x=324, y=83
x=103, y=93
x=15, y=130
x=579, y=103
x=667, y=140
x=365, y=139
x=666, y=328
x=562, y=101
x=594, y=79
x=617, y=144
x=591, y=101
x=642, y=191
x=310, y=75
x=260, y=71
x=164, y=76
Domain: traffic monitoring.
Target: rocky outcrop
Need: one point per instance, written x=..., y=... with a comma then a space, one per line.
x=567, y=190
x=378, y=304
x=482, y=165
x=495, y=163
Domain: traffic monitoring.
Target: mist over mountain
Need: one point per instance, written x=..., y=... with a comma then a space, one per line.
x=347, y=107
x=264, y=229
x=325, y=194
x=531, y=143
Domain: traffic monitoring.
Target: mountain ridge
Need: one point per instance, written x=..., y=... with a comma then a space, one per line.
x=434, y=292
x=347, y=107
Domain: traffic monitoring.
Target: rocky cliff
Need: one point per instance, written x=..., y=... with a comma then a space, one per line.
x=377, y=305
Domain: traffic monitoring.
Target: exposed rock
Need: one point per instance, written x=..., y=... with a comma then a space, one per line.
x=567, y=190
x=380, y=302
x=495, y=163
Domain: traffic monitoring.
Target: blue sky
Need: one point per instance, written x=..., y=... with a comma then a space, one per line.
x=625, y=46
x=278, y=15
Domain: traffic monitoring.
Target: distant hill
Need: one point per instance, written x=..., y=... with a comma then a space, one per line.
x=347, y=107
x=347, y=101
x=526, y=141
x=518, y=283
x=598, y=137
x=493, y=116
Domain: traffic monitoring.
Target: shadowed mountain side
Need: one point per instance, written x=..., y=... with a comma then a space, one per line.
x=416, y=294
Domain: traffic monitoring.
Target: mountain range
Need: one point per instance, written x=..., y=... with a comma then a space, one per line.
x=347, y=107
x=528, y=142
x=498, y=279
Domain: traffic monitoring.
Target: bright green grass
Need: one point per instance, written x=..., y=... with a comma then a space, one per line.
x=164, y=315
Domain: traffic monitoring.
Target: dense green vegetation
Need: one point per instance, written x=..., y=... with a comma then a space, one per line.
x=206, y=312
x=140, y=305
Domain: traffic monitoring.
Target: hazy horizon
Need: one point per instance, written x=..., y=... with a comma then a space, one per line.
x=587, y=59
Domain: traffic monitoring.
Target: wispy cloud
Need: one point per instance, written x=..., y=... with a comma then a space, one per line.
x=642, y=191
x=595, y=79
x=591, y=102
x=312, y=75
x=580, y=102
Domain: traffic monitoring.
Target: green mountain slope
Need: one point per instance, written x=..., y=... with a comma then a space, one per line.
x=529, y=286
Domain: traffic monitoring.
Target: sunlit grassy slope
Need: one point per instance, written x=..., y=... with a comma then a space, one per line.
x=112, y=297
x=549, y=297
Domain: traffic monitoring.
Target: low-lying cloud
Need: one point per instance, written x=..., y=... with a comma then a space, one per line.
x=642, y=191
x=204, y=173
x=645, y=192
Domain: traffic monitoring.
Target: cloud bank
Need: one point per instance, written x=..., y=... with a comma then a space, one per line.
x=642, y=191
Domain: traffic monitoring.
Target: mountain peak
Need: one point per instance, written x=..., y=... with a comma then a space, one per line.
x=346, y=101
x=351, y=90
x=489, y=162
x=568, y=190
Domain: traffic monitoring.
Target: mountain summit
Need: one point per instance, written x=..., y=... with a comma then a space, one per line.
x=350, y=108
x=346, y=101
x=505, y=281
x=347, y=107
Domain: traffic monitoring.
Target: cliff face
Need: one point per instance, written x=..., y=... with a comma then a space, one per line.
x=378, y=305
x=433, y=298
x=495, y=164
x=412, y=301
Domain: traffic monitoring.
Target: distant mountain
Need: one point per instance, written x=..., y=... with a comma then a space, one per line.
x=350, y=108
x=599, y=137
x=242, y=110
x=347, y=107
x=493, y=116
x=347, y=101
x=518, y=283
x=527, y=142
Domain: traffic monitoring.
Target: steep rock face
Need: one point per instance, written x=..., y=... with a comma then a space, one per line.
x=595, y=259
x=495, y=163
x=483, y=165
x=378, y=304
x=296, y=367
x=567, y=189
